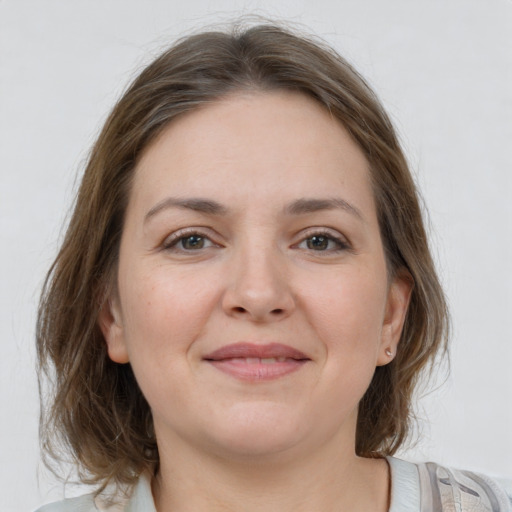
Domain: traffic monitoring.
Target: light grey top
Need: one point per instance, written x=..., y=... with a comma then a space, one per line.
x=425, y=487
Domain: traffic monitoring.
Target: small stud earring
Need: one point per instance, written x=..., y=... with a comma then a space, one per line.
x=389, y=353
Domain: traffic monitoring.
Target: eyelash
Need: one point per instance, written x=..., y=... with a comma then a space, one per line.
x=341, y=243
x=172, y=241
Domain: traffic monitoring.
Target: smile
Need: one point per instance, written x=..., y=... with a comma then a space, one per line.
x=247, y=361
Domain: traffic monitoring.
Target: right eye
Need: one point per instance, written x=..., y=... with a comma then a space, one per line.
x=187, y=242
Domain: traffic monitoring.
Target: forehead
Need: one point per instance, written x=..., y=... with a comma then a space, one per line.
x=252, y=146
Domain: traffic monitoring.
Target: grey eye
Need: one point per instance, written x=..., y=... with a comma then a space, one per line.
x=192, y=242
x=323, y=242
x=318, y=243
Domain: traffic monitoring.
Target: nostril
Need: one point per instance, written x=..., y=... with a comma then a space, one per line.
x=277, y=311
x=239, y=309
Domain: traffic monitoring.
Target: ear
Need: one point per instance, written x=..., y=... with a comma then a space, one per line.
x=110, y=323
x=399, y=295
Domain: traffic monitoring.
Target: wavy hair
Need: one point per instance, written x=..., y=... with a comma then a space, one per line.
x=91, y=407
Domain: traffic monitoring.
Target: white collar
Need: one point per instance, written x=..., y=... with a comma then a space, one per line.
x=405, y=489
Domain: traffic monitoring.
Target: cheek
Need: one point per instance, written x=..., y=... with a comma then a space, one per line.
x=164, y=312
x=347, y=313
x=347, y=318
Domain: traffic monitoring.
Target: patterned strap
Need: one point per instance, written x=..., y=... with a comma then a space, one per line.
x=446, y=490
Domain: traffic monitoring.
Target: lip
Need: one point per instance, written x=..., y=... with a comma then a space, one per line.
x=255, y=362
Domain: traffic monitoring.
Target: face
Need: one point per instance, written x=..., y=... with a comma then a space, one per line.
x=253, y=301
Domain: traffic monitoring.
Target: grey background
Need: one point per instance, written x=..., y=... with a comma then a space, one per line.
x=442, y=69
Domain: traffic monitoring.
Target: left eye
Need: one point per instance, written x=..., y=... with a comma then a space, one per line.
x=322, y=243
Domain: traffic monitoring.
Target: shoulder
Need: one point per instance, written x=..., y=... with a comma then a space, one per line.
x=451, y=487
x=444, y=489
x=140, y=499
x=86, y=503
x=81, y=504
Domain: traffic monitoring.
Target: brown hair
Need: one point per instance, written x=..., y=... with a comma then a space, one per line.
x=95, y=410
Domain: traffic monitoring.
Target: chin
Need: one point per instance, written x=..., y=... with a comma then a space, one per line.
x=257, y=431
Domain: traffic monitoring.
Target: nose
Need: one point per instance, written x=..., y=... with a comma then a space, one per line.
x=259, y=287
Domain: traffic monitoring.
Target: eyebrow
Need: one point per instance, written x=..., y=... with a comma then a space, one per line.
x=210, y=207
x=307, y=205
x=196, y=204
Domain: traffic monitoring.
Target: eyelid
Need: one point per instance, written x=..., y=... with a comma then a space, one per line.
x=335, y=235
x=171, y=240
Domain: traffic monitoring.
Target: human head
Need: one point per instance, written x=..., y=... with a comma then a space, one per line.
x=98, y=409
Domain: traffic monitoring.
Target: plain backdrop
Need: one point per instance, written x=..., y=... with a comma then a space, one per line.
x=443, y=70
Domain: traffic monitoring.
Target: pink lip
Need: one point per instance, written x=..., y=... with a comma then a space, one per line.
x=248, y=361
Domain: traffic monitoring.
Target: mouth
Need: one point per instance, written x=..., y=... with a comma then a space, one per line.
x=248, y=361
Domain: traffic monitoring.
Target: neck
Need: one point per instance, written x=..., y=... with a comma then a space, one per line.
x=328, y=480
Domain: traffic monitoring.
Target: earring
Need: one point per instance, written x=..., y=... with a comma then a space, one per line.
x=389, y=353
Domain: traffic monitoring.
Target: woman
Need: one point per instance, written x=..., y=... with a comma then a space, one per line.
x=245, y=298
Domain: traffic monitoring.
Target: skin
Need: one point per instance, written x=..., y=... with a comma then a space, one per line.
x=256, y=274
